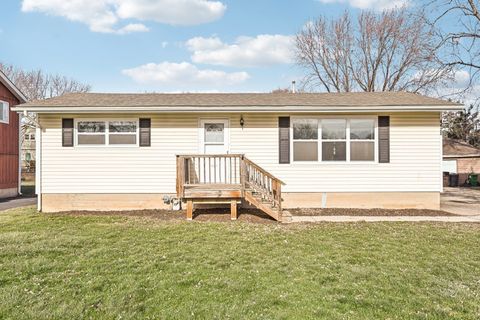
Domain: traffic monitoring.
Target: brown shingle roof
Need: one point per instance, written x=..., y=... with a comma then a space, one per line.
x=239, y=99
x=458, y=149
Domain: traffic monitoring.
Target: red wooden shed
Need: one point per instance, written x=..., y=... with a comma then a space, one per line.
x=9, y=138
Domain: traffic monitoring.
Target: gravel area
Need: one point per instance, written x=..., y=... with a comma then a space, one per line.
x=366, y=212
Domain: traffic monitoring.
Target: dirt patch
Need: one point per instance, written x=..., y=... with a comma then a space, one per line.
x=366, y=212
x=204, y=215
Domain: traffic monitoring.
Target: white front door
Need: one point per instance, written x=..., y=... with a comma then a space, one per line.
x=214, y=136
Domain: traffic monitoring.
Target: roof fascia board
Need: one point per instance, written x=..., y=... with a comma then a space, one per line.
x=254, y=109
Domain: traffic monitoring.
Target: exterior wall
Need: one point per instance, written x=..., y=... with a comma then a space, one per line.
x=415, y=159
x=366, y=200
x=57, y=202
x=52, y=202
x=9, y=148
x=466, y=166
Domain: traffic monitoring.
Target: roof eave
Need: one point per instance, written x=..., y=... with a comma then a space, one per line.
x=252, y=108
x=477, y=155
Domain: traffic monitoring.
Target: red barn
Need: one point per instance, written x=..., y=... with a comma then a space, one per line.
x=9, y=138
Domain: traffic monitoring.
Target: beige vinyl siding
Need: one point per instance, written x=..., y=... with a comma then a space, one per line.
x=415, y=157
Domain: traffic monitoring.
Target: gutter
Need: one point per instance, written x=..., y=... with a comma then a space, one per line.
x=38, y=166
x=252, y=109
x=462, y=156
x=19, y=186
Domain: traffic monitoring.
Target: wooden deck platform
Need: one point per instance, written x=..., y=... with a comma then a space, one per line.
x=227, y=178
x=213, y=191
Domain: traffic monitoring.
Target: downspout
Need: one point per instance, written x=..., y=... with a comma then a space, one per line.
x=38, y=166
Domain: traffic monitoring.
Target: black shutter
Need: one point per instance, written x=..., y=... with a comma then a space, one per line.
x=145, y=125
x=67, y=132
x=384, y=139
x=284, y=139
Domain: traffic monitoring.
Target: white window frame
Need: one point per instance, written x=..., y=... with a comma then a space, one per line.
x=5, y=109
x=375, y=140
x=106, y=133
x=306, y=140
x=347, y=140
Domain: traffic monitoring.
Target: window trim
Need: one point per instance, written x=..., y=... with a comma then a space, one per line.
x=106, y=133
x=6, y=105
x=348, y=140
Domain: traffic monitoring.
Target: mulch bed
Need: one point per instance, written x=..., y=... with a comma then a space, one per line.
x=215, y=215
x=367, y=212
x=257, y=216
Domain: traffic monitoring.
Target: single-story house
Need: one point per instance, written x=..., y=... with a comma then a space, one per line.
x=10, y=96
x=461, y=158
x=100, y=151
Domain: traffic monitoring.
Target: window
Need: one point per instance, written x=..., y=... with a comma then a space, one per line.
x=214, y=132
x=334, y=140
x=362, y=140
x=305, y=140
x=4, y=112
x=92, y=133
x=122, y=132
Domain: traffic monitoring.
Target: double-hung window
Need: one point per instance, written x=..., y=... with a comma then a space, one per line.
x=91, y=132
x=334, y=139
x=305, y=140
x=362, y=140
x=122, y=132
x=4, y=112
x=100, y=132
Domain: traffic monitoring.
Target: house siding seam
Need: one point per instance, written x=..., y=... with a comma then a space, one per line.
x=413, y=167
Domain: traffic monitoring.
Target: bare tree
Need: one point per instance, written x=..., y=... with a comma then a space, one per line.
x=390, y=51
x=463, y=125
x=458, y=25
x=36, y=84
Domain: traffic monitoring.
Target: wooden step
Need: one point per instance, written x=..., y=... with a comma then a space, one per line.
x=265, y=207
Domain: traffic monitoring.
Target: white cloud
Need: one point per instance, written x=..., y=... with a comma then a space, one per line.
x=372, y=4
x=262, y=50
x=183, y=74
x=105, y=15
x=132, y=27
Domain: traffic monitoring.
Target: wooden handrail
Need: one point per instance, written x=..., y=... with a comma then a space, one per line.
x=228, y=169
x=268, y=174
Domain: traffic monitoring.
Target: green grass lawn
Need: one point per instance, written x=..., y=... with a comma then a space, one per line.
x=104, y=267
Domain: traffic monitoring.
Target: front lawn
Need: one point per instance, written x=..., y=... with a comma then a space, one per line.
x=112, y=267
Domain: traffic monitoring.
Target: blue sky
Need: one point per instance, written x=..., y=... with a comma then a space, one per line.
x=163, y=45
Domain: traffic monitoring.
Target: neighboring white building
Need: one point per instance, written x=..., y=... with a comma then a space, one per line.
x=366, y=150
x=28, y=153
